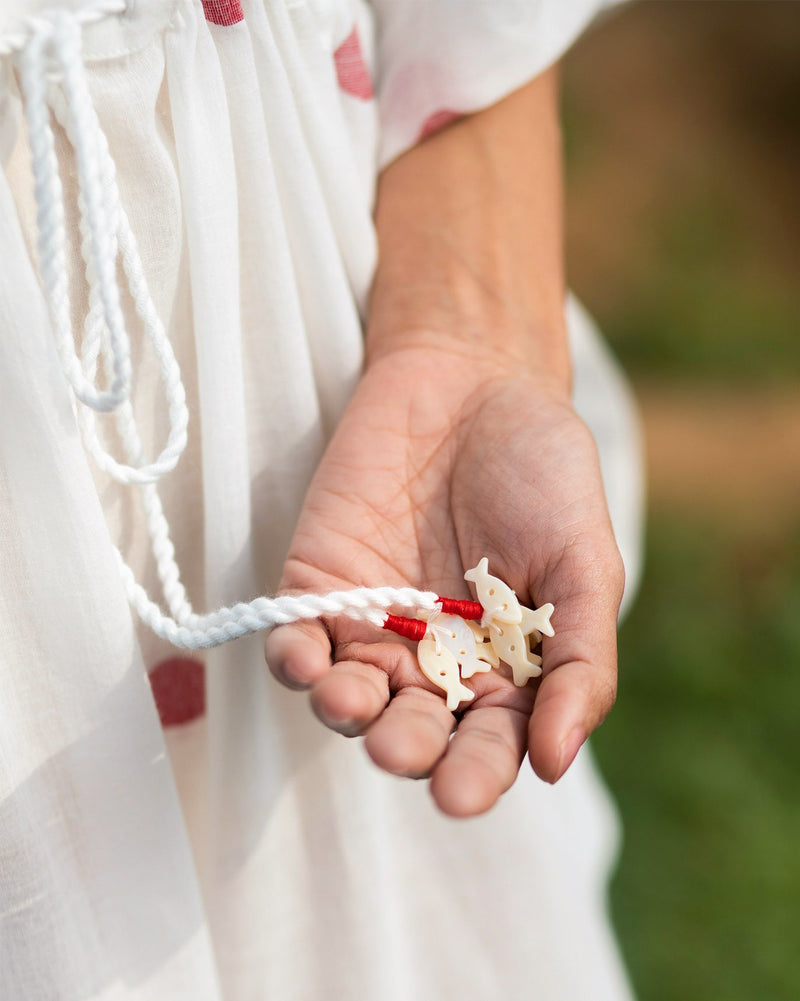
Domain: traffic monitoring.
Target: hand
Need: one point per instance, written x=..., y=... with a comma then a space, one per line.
x=442, y=457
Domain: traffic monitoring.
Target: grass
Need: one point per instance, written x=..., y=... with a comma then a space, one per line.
x=702, y=754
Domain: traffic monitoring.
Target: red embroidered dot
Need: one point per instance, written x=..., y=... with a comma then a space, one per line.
x=351, y=70
x=223, y=12
x=436, y=121
x=179, y=690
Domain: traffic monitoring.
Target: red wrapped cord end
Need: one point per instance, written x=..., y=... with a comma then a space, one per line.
x=412, y=629
x=464, y=609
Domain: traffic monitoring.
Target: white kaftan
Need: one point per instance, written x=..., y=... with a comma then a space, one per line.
x=241, y=851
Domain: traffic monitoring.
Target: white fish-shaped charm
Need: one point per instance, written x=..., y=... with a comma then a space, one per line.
x=513, y=629
x=536, y=621
x=455, y=634
x=484, y=651
x=511, y=645
x=440, y=666
x=497, y=598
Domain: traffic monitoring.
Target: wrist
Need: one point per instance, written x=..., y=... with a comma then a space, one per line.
x=470, y=243
x=443, y=361
x=485, y=331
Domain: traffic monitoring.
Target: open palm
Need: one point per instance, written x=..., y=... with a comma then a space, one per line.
x=442, y=458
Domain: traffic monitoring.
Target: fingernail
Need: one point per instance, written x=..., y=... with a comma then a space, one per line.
x=291, y=673
x=568, y=749
x=347, y=727
x=292, y=683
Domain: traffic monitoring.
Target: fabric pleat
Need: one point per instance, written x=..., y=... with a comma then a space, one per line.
x=92, y=842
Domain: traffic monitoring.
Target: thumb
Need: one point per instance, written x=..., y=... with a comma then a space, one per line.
x=300, y=654
x=579, y=671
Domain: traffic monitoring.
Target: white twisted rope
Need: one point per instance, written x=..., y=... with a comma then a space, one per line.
x=16, y=38
x=53, y=80
x=368, y=604
x=54, y=44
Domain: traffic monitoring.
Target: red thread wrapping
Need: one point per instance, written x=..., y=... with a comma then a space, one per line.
x=412, y=629
x=464, y=609
x=224, y=12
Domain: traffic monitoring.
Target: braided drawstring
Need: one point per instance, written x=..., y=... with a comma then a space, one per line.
x=53, y=80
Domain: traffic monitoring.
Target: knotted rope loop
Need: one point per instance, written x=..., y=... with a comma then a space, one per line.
x=54, y=80
x=53, y=50
x=54, y=83
x=17, y=36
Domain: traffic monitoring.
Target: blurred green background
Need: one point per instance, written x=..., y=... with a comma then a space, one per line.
x=682, y=128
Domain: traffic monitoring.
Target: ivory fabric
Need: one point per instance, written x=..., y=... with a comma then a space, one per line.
x=248, y=854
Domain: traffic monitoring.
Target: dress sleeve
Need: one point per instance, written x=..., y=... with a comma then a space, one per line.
x=439, y=59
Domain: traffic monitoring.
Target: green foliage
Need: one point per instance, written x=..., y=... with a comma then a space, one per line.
x=705, y=306
x=702, y=754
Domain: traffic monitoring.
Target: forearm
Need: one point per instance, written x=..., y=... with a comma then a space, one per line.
x=470, y=236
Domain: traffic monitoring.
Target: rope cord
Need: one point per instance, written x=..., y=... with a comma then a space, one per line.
x=15, y=38
x=47, y=50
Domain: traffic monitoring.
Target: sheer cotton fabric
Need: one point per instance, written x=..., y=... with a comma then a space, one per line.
x=247, y=853
x=444, y=58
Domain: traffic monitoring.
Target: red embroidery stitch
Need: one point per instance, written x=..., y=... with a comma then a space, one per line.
x=351, y=70
x=179, y=690
x=223, y=12
x=436, y=121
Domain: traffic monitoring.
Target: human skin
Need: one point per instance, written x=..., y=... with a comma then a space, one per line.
x=461, y=442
